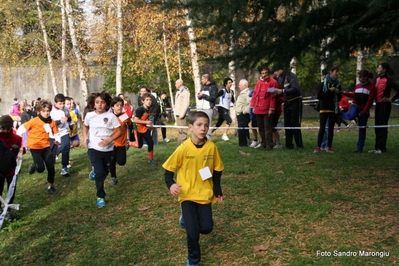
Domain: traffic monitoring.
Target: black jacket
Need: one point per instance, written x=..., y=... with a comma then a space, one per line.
x=213, y=92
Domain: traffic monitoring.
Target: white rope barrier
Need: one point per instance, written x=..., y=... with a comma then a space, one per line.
x=307, y=128
x=11, y=189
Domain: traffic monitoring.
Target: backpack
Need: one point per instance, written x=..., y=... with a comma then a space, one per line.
x=7, y=158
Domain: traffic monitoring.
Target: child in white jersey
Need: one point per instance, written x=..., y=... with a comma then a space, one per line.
x=100, y=129
x=199, y=166
x=226, y=98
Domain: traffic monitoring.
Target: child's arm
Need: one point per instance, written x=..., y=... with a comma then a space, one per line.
x=117, y=133
x=145, y=122
x=85, y=138
x=171, y=184
x=21, y=130
x=217, y=189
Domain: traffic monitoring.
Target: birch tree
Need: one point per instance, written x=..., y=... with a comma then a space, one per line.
x=63, y=48
x=45, y=39
x=193, y=54
x=119, y=62
x=76, y=49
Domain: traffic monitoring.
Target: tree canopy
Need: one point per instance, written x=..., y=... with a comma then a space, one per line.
x=279, y=30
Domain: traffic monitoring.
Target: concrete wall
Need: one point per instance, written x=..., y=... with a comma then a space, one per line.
x=32, y=82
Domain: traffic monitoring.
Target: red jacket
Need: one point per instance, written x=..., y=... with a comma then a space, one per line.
x=262, y=100
x=279, y=103
x=363, y=96
x=344, y=103
x=128, y=110
x=10, y=139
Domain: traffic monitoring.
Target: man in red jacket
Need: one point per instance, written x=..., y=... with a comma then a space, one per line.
x=264, y=105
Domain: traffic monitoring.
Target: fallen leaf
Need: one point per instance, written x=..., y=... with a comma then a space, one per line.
x=244, y=153
x=309, y=162
x=279, y=172
x=262, y=247
x=144, y=208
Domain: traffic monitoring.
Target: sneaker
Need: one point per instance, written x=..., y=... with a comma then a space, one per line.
x=64, y=172
x=92, y=175
x=191, y=264
x=113, y=181
x=254, y=143
x=56, y=157
x=225, y=137
x=348, y=127
x=378, y=151
x=329, y=150
x=166, y=140
x=152, y=162
x=323, y=148
x=358, y=151
x=145, y=145
x=31, y=169
x=181, y=222
x=317, y=150
x=69, y=165
x=258, y=146
x=51, y=190
x=338, y=130
x=100, y=202
x=278, y=146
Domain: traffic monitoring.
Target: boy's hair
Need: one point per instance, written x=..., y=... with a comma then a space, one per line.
x=105, y=96
x=44, y=104
x=146, y=95
x=226, y=80
x=116, y=100
x=334, y=68
x=67, y=98
x=365, y=73
x=197, y=114
x=59, y=98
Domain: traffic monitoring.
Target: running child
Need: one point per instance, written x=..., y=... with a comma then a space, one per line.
x=199, y=166
x=144, y=126
x=119, y=152
x=98, y=137
x=41, y=129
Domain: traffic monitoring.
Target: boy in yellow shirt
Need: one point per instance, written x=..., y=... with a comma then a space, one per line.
x=199, y=166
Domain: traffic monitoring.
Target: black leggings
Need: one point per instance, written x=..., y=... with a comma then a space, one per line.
x=118, y=156
x=148, y=138
x=9, y=180
x=43, y=159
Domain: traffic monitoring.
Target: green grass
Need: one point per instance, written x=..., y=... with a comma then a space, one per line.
x=295, y=201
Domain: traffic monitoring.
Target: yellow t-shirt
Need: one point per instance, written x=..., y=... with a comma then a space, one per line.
x=73, y=130
x=187, y=160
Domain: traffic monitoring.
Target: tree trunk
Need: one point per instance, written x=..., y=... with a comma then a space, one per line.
x=119, y=62
x=293, y=65
x=50, y=60
x=193, y=55
x=166, y=63
x=63, y=48
x=359, y=61
x=232, y=68
x=178, y=46
x=76, y=49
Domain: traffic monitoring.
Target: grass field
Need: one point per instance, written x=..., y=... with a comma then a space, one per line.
x=303, y=208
